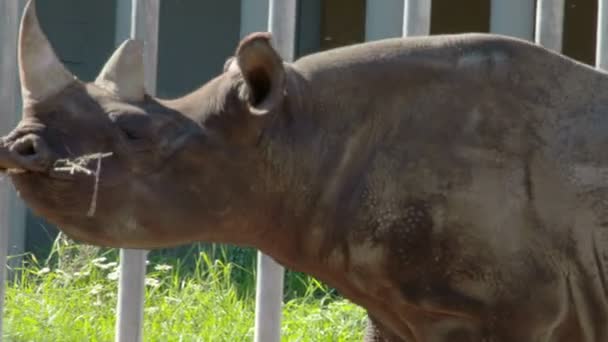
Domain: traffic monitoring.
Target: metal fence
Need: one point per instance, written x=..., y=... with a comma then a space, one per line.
x=540, y=20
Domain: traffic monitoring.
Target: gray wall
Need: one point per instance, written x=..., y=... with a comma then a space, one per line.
x=195, y=39
x=82, y=32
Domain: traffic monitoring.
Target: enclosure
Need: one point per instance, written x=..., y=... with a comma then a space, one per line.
x=187, y=44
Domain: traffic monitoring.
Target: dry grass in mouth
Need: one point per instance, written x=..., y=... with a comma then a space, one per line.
x=80, y=165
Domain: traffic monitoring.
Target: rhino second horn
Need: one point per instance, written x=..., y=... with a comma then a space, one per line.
x=42, y=73
x=123, y=74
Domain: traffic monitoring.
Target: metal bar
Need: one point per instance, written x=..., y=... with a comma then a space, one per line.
x=282, y=23
x=513, y=18
x=549, y=24
x=416, y=18
x=383, y=19
x=145, y=20
x=15, y=221
x=601, y=52
x=282, y=17
x=12, y=218
x=130, y=307
x=268, y=299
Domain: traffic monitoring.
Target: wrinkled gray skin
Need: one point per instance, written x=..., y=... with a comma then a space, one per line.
x=456, y=187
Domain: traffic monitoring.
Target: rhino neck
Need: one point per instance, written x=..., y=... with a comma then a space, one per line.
x=313, y=161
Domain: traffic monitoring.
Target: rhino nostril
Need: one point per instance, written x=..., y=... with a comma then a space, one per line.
x=24, y=147
x=31, y=152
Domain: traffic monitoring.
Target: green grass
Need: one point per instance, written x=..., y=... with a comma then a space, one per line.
x=206, y=293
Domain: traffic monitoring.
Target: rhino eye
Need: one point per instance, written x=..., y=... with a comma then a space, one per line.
x=133, y=126
x=130, y=134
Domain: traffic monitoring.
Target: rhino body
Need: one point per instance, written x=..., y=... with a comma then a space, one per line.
x=463, y=186
x=454, y=186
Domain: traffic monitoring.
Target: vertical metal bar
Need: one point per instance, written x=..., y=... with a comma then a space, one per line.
x=12, y=218
x=513, y=18
x=282, y=23
x=601, y=52
x=549, y=24
x=416, y=18
x=130, y=310
x=282, y=16
x=3, y=248
x=383, y=19
x=131, y=289
x=268, y=299
x=15, y=221
x=146, y=15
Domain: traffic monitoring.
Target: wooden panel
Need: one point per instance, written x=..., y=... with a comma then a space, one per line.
x=580, y=30
x=342, y=23
x=461, y=16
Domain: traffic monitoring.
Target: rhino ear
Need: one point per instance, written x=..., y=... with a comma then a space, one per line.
x=262, y=69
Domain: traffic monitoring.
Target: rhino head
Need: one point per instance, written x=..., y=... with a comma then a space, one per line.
x=114, y=166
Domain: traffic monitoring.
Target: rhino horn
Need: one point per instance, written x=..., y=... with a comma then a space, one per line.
x=123, y=74
x=42, y=73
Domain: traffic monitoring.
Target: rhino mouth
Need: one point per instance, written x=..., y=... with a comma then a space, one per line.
x=30, y=154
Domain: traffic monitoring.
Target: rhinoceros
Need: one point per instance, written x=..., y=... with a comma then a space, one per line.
x=454, y=186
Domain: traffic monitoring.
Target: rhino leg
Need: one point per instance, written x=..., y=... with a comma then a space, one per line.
x=374, y=332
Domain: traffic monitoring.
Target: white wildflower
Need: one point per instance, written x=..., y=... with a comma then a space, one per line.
x=43, y=271
x=173, y=300
x=64, y=274
x=98, y=260
x=114, y=275
x=163, y=268
x=152, y=282
x=195, y=287
x=151, y=309
x=107, y=266
x=97, y=289
x=82, y=274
